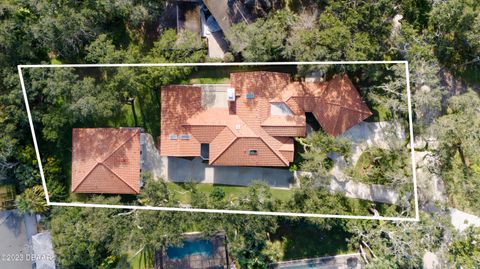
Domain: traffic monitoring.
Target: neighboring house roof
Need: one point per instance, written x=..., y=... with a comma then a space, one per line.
x=106, y=160
x=14, y=233
x=269, y=110
x=43, y=248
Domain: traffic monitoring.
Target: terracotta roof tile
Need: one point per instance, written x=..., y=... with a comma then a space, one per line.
x=248, y=122
x=106, y=160
x=224, y=139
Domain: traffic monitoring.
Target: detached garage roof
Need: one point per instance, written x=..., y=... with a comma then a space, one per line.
x=106, y=160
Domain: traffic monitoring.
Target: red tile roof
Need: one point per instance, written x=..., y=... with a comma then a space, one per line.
x=248, y=123
x=106, y=160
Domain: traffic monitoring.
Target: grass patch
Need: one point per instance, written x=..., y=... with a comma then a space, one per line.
x=380, y=113
x=147, y=112
x=221, y=75
x=141, y=261
x=301, y=240
x=374, y=165
x=208, y=76
x=183, y=193
x=55, y=60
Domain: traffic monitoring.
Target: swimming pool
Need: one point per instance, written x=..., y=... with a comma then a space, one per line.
x=191, y=247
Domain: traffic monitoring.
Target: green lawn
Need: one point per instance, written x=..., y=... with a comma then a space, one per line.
x=208, y=76
x=140, y=261
x=374, y=164
x=147, y=111
x=183, y=194
x=55, y=60
x=380, y=113
x=301, y=240
x=221, y=75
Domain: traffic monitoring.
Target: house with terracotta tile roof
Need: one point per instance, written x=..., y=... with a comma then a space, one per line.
x=253, y=120
x=106, y=160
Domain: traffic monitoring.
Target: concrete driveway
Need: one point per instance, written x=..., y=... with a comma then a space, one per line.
x=195, y=170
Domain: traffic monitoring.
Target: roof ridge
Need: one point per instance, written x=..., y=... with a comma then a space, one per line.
x=110, y=170
x=280, y=156
x=226, y=147
x=91, y=170
x=121, y=179
x=119, y=146
x=107, y=157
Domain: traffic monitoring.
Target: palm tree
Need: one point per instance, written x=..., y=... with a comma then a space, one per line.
x=31, y=201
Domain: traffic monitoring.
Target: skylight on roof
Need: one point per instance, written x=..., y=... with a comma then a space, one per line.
x=280, y=109
x=173, y=137
x=185, y=137
x=250, y=95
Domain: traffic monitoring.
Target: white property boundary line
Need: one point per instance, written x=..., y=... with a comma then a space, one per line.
x=32, y=129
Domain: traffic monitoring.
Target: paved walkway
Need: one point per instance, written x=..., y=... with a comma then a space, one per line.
x=195, y=170
x=461, y=220
x=353, y=189
x=342, y=261
x=363, y=136
x=152, y=162
x=373, y=134
x=217, y=46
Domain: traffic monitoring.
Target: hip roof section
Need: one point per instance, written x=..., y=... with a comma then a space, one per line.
x=248, y=122
x=106, y=160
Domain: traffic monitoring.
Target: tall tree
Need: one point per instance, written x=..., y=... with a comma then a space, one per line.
x=317, y=147
x=464, y=251
x=399, y=244
x=263, y=40
x=454, y=25
x=85, y=237
x=32, y=200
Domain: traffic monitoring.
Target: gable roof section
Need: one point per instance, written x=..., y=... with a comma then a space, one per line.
x=106, y=160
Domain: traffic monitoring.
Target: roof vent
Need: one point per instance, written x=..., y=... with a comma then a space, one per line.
x=237, y=126
x=231, y=94
x=250, y=95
